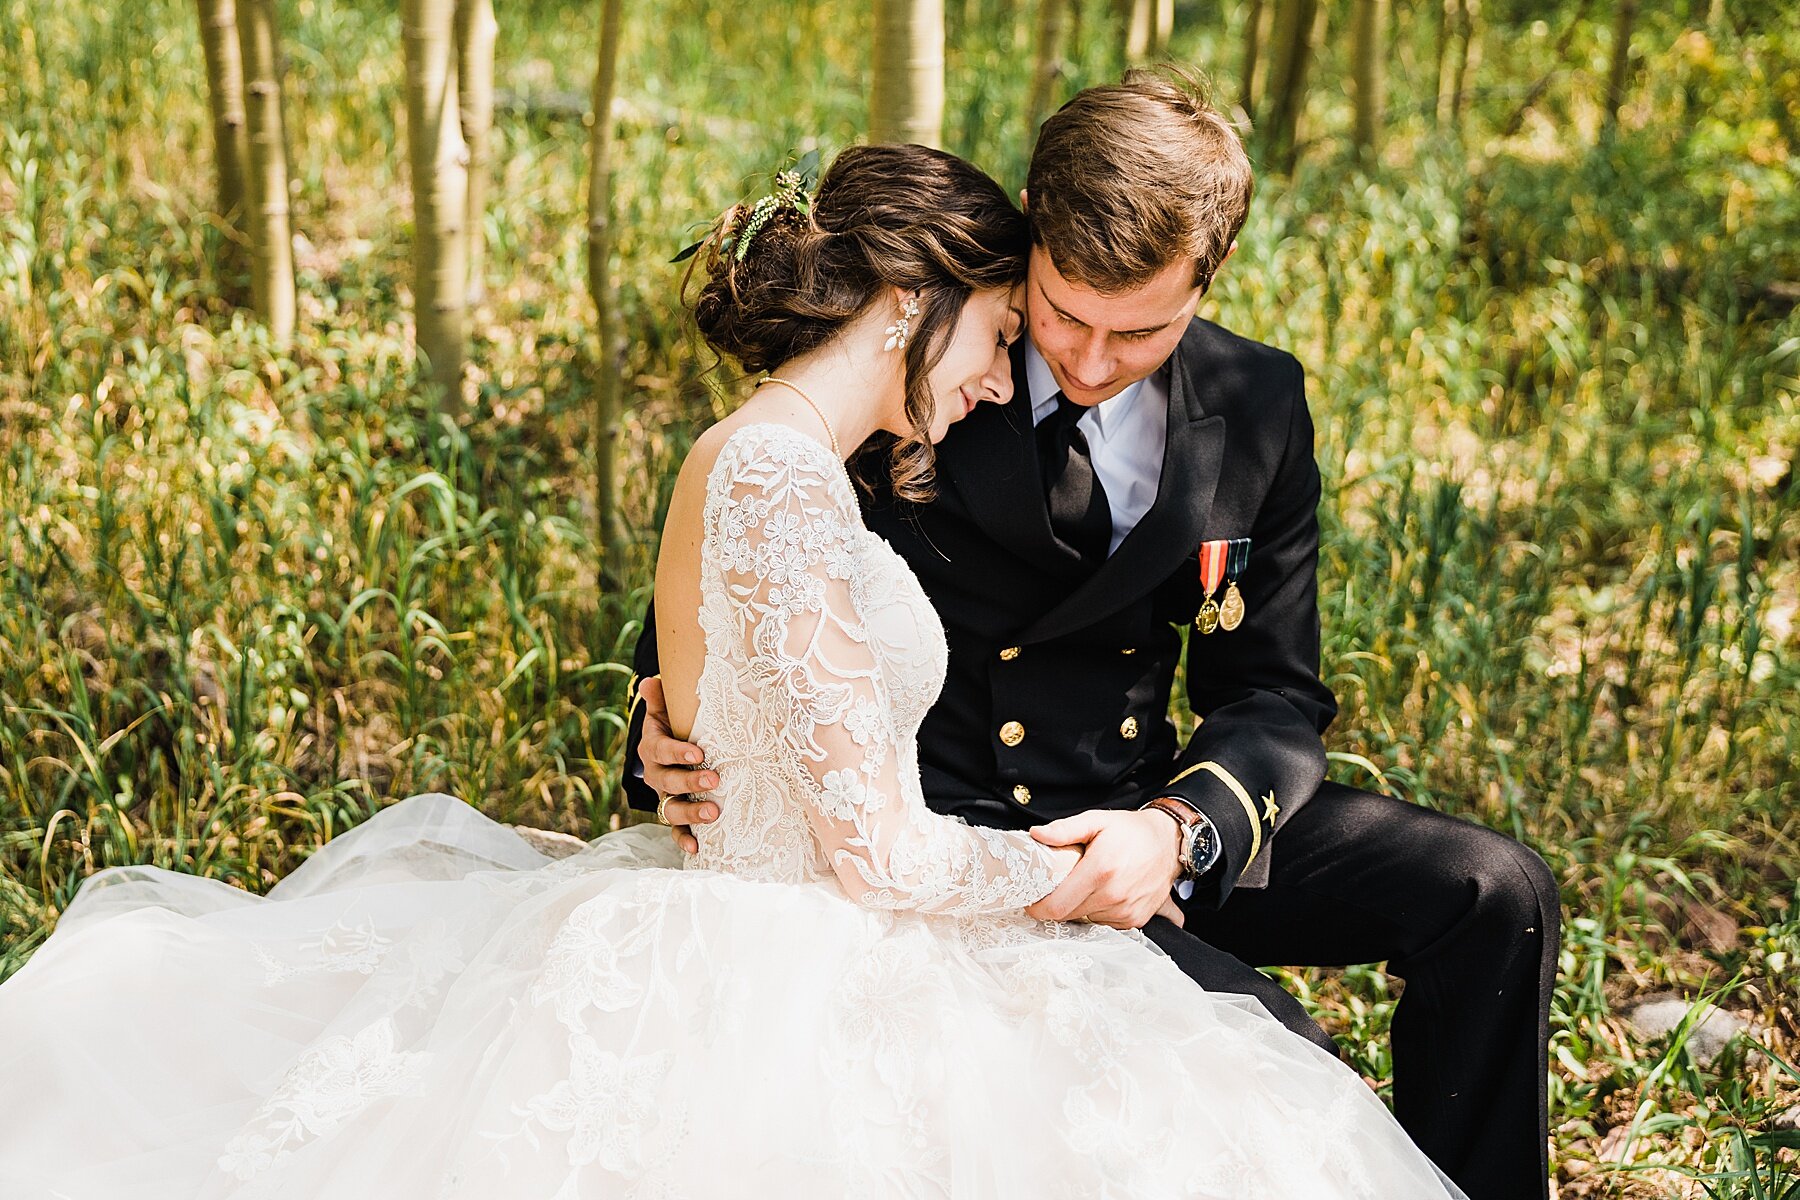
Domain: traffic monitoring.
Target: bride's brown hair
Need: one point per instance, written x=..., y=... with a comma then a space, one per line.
x=884, y=217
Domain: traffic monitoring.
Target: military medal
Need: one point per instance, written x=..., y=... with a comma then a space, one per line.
x=1231, y=609
x=1212, y=569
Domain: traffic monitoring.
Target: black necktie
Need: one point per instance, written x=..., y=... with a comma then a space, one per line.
x=1079, y=514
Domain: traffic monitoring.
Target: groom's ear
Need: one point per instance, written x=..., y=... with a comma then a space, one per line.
x=1025, y=200
x=1229, y=251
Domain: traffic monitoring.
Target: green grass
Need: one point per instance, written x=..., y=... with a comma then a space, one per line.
x=246, y=597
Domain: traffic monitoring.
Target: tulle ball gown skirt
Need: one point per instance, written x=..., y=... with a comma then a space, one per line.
x=430, y=1008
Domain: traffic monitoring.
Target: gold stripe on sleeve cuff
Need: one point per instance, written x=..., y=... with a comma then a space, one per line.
x=637, y=696
x=1243, y=797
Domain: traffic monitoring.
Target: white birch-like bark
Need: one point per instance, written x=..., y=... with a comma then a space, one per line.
x=225, y=92
x=439, y=167
x=906, y=95
x=267, y=221
x=607, y=409
x=476, y=32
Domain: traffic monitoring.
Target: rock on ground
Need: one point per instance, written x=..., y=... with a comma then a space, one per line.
x=1658, y=1015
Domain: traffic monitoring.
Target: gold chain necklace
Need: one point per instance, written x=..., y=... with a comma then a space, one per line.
x=812, y=404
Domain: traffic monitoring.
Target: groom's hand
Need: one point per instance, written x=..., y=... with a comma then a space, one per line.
x=1125, y=873
x=671, y=766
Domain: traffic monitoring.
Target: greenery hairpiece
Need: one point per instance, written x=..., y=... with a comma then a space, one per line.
x=793, y=189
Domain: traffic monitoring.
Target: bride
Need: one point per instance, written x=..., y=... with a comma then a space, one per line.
x=840, y=995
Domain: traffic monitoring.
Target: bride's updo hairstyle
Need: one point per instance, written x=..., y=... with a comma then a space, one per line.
x=884, y=217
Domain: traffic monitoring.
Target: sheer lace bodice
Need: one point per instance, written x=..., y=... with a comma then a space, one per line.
x=822, y=656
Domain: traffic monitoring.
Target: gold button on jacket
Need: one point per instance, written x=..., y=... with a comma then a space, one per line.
x=1008, y=654
x=1128, y=728
x=1012, y=733
x=1021, y=793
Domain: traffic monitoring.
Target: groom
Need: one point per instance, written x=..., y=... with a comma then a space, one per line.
x=1154, y=471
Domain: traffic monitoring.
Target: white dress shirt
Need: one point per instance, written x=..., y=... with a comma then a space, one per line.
x=1125, y=436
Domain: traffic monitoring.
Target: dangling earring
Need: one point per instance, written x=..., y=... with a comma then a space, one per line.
x=901, y=329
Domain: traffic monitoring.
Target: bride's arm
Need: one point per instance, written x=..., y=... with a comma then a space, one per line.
x=785, y=547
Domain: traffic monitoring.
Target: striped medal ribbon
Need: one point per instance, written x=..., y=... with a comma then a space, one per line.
x=1231, y=609
x=1212, y=570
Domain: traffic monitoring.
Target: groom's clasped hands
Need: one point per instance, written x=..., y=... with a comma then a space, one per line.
x=1128, y=858
x=1127, y=868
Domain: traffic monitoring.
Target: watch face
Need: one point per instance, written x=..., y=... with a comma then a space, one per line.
x=1200, y=849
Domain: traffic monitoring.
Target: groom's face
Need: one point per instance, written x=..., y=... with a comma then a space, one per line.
x=1098, y=345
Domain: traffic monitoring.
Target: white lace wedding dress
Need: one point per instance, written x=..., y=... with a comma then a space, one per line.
x=838, y=998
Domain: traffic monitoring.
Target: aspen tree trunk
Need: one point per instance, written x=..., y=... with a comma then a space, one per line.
x=1164, y=27
x=1466, y=56
x=1048, y=67
x=476, y=31
x=225, y=90
x=1140, y=30
x=1254, y=35
x=271, y=238
x=1446, y=31
x=1290, y=49
x=1369, y=73
x=906, y=97
x=601, y=143
x=1006, y=17
x=1624, y=20
x=440, y=185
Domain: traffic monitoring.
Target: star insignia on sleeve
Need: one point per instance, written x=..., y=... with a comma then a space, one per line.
x=1270, y=808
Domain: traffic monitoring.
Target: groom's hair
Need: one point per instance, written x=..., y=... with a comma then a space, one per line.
x=1129, y=177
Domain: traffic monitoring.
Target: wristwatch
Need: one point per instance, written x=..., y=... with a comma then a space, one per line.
x=1199, y=848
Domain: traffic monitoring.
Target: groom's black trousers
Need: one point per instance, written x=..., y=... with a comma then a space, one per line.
x=1468, y=917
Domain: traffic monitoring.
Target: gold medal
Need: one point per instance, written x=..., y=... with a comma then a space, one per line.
x=1212, y=570
x=1231, y=612
x=1237, y=561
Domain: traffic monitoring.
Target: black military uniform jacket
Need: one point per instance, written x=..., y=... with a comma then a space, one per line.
x=1059, y=679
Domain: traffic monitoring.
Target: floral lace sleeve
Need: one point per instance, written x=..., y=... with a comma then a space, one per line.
x=783, y=530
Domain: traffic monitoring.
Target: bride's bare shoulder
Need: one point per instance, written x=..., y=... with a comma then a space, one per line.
x=691, y=482
x=709, y=446
x=703, y=454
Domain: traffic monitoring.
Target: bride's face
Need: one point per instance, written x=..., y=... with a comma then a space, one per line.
x=975, y=368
